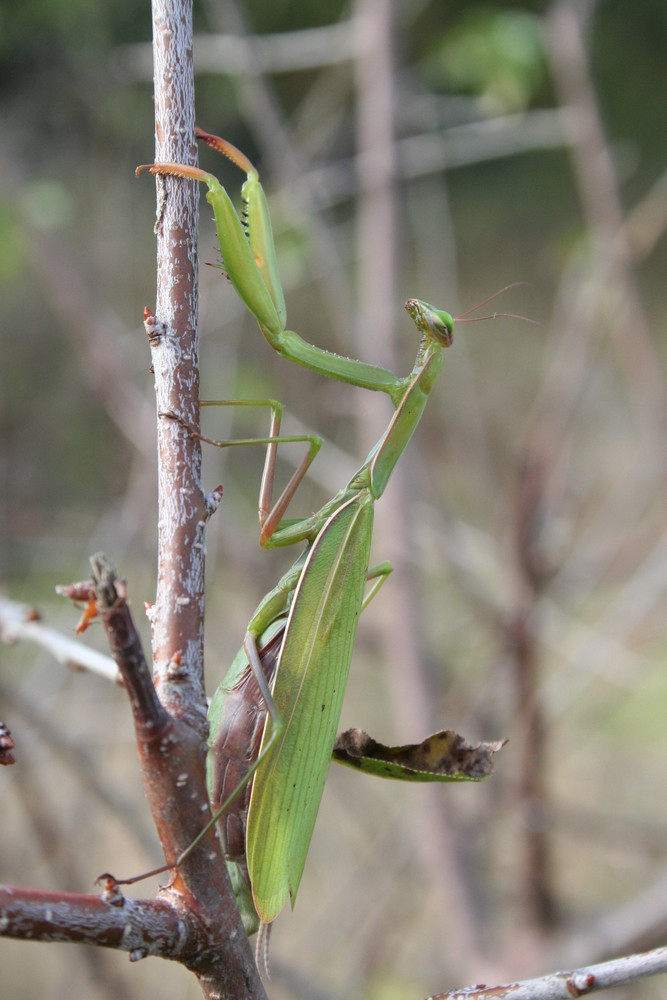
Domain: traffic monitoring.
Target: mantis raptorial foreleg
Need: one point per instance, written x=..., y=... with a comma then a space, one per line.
x=249, y=258
x=250, y=261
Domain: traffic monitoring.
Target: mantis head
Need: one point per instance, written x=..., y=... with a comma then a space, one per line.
x=439, y=324
x=431, y=322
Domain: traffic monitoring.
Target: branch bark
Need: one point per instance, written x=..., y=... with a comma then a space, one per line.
x=177, y=617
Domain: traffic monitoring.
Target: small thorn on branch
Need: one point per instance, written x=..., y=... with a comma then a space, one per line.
x=82, y=592
x=155, y=328
x=212, y=500
x=580, y=984
x=112, y=892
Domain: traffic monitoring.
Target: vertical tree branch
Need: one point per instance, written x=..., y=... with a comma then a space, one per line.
x=177, y=617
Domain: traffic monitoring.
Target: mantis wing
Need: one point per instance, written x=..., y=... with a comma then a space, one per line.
x=312, y=676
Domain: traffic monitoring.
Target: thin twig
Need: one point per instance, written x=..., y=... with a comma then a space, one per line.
x=22, y=621
x=565, y=985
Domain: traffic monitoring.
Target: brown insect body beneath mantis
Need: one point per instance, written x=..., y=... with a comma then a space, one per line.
x=236, y=747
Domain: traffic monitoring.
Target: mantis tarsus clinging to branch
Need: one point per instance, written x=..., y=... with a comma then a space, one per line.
x=318, y=601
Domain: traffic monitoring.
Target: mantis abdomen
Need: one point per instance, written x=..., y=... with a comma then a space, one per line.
x=235, y=746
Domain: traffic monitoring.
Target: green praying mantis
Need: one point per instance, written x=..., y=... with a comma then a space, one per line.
x=299, y=641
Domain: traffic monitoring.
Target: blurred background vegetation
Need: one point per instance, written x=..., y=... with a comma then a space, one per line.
x=416, y=148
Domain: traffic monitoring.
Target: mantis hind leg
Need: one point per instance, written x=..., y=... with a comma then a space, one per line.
x=378, y=574
x=270, y=513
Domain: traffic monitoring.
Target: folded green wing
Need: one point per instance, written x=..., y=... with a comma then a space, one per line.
x=310, y=685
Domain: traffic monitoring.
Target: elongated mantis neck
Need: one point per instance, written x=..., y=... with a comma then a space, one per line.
x=410, y=398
